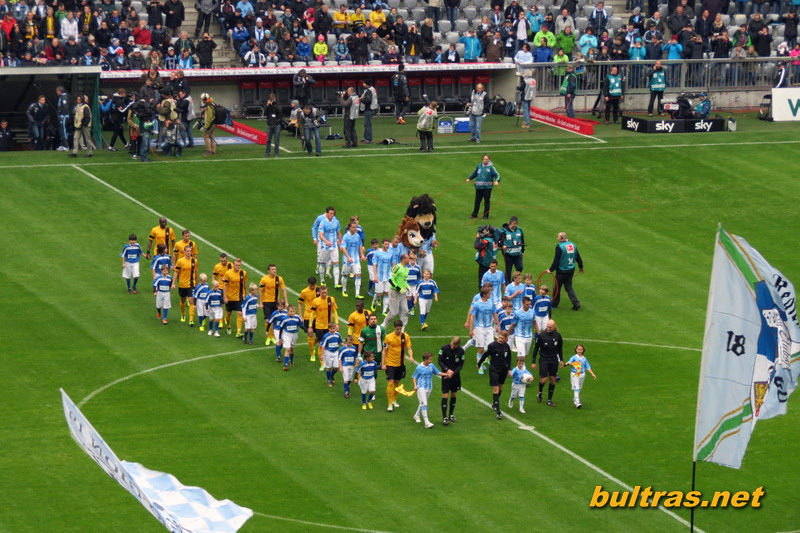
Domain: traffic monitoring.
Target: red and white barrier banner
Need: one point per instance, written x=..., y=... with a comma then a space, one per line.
x=584, y=127
x=251, y=134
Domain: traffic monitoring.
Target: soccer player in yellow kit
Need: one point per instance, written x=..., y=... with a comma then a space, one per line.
x=357, y=320
x=270, y=288
x=323, y=313
x=161, y=234
x=235, y=288
x=183, y=243
x=307, y=296
x=186, y=272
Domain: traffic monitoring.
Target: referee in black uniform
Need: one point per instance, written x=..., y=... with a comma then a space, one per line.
x=549, y=344
x=451, y=357
x=499, y=368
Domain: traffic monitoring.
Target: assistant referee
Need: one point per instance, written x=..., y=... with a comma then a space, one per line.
x=549, y=344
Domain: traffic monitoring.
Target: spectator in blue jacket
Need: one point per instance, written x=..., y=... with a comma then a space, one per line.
x=472, y=46
x=543, y=53
x=674, y=51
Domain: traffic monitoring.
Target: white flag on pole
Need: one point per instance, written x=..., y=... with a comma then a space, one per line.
x=750, y=360
x=179, y=508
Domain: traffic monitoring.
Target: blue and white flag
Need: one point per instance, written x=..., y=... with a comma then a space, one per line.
x=179, y=508
x=750, y=363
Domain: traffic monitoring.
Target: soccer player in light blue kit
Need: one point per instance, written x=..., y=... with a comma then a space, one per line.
x=290, y=328
x=579, y=366
x=515, y=290
x=329, y=236
x=518, y=386
x=250, y=313
x=423, y=384
x=366, y=373
x=348, y=356
x=131, y=253
x=353, y=250
x=523, y=328
x=161, y=287
x=414, y=277
x=471, y=342
x=201, y=290
x=330, y=352
x=214, y=303
x=498, y=280
x=276, y=320
x=427, y=292
x=482, y=317
x=505, y=318
x=383, y=270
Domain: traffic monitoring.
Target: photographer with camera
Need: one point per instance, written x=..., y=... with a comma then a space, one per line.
x=302, y=83
x=427, y=118
x=310, y=118
x=702, y=108
x=273, y=113
x=349, y=101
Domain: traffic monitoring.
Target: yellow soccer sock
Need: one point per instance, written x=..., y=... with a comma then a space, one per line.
x=390, y=394
x=239, y=322
x=183, y=308
x=227, y=322
x=191, y=312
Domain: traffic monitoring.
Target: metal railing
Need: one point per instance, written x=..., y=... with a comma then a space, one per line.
x=691, y=75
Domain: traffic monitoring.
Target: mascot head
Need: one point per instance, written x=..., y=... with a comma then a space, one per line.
x=423, y=210
x=409, y=233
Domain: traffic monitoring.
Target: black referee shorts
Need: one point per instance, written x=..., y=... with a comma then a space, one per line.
x=452, y=384
x=497, y=378
x=547, y=369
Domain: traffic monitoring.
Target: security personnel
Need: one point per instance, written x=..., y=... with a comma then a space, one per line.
x=566, y=257
x=657, y=82
x=612, y=93
x=513, y=245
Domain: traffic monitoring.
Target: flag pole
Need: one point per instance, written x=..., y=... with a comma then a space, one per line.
x=702, y=372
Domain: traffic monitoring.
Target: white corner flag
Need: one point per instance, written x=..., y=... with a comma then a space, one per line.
x=750, y=360
x=179, y=508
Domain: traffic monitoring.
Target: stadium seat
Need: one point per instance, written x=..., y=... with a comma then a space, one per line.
x=345, y=63
x=447, y=92
x=264, y=88
x=452, y=37
x=726, y=19
x=664, y=10
x=444, y=26
x=465, y=86
x=610, y=10
x=587, y=11
x=470, y=12
x=738, y=20
x=430, y=86
x=460, y=47
x=479, y=3
x=284, y=64
x=375, y=62
x=418, y=14
x=249, y=95
x=779, y=30
x=331, y=41
x=582, y=23
x=508, y=60
x=547, y=3
x=283, y=89
x=528, y=3
x=410, y=4
x=615, y=23
x=393, y=3
x=462, y=25
x=318, y=93
x=315, y=63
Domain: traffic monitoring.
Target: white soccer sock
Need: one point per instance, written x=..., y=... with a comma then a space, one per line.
x=577, y=395
x=385, y=300
x=336, y=271
x=358, y=284
x=321, y=272
x=470, y=343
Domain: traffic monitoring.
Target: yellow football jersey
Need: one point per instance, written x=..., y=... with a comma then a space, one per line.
x=162, y=236
x=219, y=271
x=181, y=244
x=356, y=322
x=322, y=312
x=235, y=285
x=187, y=272
x=267, y=286
x=307, y=296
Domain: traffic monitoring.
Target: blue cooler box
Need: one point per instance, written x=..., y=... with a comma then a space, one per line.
x=462, y=125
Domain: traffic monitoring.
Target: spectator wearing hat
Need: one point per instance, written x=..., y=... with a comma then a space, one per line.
x=370, y=106
x=171, y=59
x=703, y=107
x=652, y=33
x=341, y=52
x=136, y=60
x=569, y=88
x=781, y=76
x=320, y=49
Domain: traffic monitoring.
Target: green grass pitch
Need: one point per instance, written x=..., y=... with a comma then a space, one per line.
x=643, y=210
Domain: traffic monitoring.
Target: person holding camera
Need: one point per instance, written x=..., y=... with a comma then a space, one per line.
x=302, y=83
x=310, y=118
x=273, y=113
x=427, y=118
x=349, y=101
